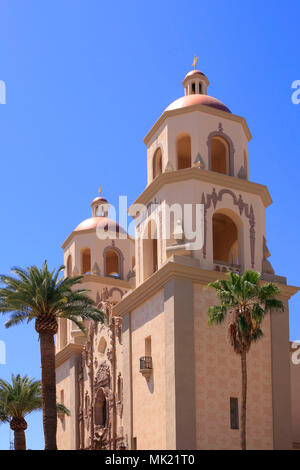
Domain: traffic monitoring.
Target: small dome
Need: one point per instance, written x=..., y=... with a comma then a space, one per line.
x=104, y=222
x=99, y=199
x=192, y=73
x=191, y=100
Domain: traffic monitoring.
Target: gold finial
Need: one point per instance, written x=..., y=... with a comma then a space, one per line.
x=99, y=190
x=194, y=64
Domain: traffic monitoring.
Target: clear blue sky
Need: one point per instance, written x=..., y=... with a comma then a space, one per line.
x=85, y=82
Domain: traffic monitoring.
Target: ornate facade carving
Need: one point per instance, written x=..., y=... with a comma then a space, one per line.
x=99, y=376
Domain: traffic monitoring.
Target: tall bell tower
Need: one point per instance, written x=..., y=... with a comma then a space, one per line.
x=197, y=153
x=197, y=157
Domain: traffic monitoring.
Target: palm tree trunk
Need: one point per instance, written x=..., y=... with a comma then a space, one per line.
x=244, y=400
x=19, y=440
x=48, y=389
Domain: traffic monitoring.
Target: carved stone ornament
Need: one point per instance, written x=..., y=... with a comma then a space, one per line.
x=266, y=265
x=212, y=199
x=169, y=166
x=96, y=270
x=199, y=162
x=102, y=378
x=242, y=173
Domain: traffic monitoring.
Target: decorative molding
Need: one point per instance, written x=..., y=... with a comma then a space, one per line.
x=102, y=375
x=110, y=281
x=64, y=354
x=217, y=179
x=96, y=270
x=169, y=166
x=102, y=378
x=85, y=232
x=242, y=173
x=199, y=162
x=193, y=108
x=173, y=269
x=267, y=267
x=115, y=289
x=212, y=199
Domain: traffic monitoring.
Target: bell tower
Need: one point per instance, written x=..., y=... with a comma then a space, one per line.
x=203, y=217
x=197, y=154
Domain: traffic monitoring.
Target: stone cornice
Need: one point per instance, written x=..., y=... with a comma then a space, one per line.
x=107, y=280
x=85, y=232
x=205, y=176
x=174, y=270
x=192, y=108
x=64, y=354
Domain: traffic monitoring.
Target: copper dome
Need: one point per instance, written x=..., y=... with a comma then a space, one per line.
x=191, y=100
x=104, y=222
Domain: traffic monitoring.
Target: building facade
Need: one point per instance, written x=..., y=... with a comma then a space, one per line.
x=155, y=376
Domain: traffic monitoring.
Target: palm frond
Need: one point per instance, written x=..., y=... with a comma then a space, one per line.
x=34, y=292
x=216, y=314
x=20, y=397
x=248, y=302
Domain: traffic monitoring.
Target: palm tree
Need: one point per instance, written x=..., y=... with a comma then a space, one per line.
x=19, y=398
x=245, y=302
x=44, y=296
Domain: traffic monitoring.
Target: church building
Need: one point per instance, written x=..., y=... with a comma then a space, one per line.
x=155, y=375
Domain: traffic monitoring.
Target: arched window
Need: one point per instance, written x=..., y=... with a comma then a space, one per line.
x=157, y=163
x=150, y=258
x=183, y=148
x=85, y=261
x=100, y=409
x=219, y=155
x=112, y=263
x=69, y=265
x=225, y=240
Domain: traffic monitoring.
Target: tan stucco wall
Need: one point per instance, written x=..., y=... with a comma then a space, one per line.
x=218, y=377
x=97, y=246
x=148, y=399
x=64, y=426
x=281, y=379
x=199, y=125
x=180, y=370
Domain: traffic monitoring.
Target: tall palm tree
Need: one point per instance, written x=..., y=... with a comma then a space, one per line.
x=18, y=399
x=245, y=302
x=44, y=296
